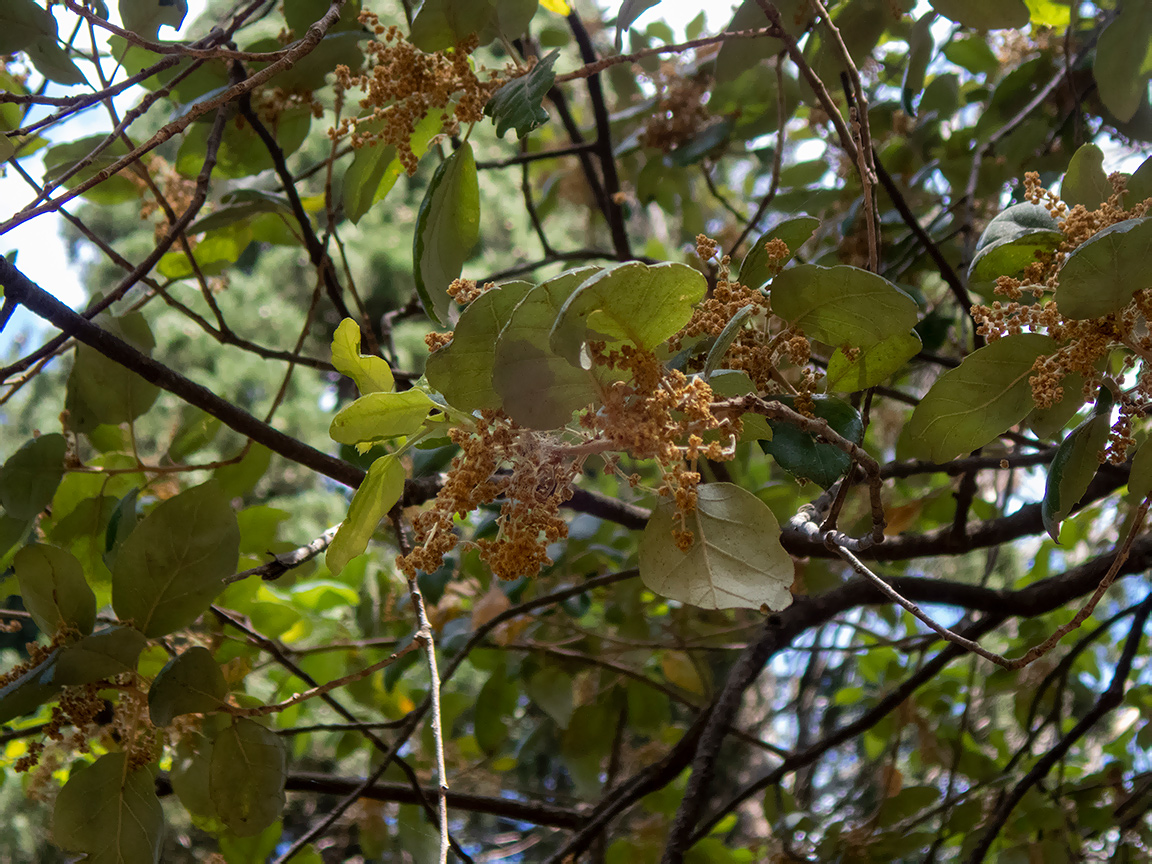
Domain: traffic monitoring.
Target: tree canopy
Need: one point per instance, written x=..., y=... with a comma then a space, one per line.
x=521, y=430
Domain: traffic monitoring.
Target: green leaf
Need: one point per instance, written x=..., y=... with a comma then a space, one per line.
x=737, y=56
x=146, y=17
x=53, y=62
x=246, y=778
x=842, y=305
x=381, y=488
x=736, y=560
x=985, y=14
x=802, y=456
x=1139, y=185
x=1074, y=465
x=724, y=341
x=104, y=654
x=755, y=269
x=638, y=303
x=969, y=406
x=1101, y=275
x=973, y=54
x=1140, y=478
x=299, y=15
x=727, y=383
x=370, y=373
x=447, y=227
x=495, y=703
x=7, y=148
x=29, y=691
x=1085, y=181
x=23, y=22
x=630, y=10
x=378, y=416
x=551, y=689
x=920, y=48
x=100, y=390
x=312, y=70
x=375, y=168
x=871, y=366
x=1011, y=243
x=191, y=764
x=239, y=479
x=538, y=388
x=215, y=253
x=518, y=104
x=190, y=683
x=441, y=24
x=462, y=370
x=29, y=478
x=54, y=590
x=197, y=430
x=173, y=564
x=111, y=812
x=1046, y=422
x=1123, y=61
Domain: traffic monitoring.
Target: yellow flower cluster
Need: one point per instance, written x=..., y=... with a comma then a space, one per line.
x=403, y=84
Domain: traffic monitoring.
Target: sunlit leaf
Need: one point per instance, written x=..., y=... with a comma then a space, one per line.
x=868, y=367
x=637, y=303
x=381, y=415
x=370, y=373
x=447, y=228
x=382, y=487
x=736, y=560
x=969, y=406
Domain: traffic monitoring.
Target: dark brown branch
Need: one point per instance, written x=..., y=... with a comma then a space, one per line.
x=41, y=303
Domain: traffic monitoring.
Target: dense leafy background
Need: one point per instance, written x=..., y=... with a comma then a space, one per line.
x=586, y=711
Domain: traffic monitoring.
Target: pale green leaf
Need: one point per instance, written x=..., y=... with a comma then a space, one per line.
x=110, y=812
x=985, y=14
x=1011, y=243
x=724, y=341
x=538, y=388
x=190, y=683
x=1085, y=181
x=54, y=589
x=969, y=406
x=518, y=104
x=29, y=478
x=1099, y=277
x=1074, y=465
x=381, y=415
x=381, y=489
x=736, y=560
x=371, y=374
x=756, y=269
x=638, y=303
x=173, y=564
x=246, y=778
x=842, y=305
x=462, y=370
x=447, y=227
x=871, y=366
